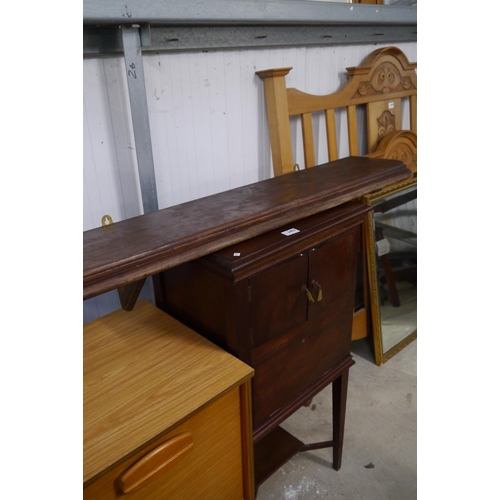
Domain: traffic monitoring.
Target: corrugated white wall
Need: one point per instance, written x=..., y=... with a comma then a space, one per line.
x=208, y=126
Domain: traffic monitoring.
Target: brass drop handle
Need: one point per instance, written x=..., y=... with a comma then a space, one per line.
x=305, y=290
x=320, y=290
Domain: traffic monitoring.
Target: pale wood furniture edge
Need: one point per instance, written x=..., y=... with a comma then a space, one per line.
x=114, y=425
x=213, y=468
x=247, y=440
x=277, y=116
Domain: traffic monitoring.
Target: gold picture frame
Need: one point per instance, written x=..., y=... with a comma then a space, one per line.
x=406, y=333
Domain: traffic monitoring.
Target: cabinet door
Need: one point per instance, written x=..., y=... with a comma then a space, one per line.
x=278, y=301
x=313, y=337
x=330, y=266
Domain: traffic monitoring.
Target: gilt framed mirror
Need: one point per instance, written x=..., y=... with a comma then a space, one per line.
x=391, y=236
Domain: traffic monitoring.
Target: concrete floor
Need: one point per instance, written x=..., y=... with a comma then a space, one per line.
x=379, y=460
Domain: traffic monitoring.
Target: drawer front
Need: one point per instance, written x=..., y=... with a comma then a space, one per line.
x=288, y=366
x=211, y=468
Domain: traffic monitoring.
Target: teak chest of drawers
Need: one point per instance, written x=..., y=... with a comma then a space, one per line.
x=283, y=303
x=166, y=412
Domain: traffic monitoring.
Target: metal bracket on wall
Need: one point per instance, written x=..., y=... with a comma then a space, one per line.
x=230, y=24
x=105, y=40
x=131, y=37
x=145, y=32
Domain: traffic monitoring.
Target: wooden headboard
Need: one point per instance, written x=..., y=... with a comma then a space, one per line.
x=380, y=83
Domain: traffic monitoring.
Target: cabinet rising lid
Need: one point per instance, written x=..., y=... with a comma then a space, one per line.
x=143, y=372
x=240, y=260
x=139, y=247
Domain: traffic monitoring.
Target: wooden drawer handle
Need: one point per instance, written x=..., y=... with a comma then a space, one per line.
x=156, y=463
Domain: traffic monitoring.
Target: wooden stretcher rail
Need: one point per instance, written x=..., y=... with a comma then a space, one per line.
x=133, y=249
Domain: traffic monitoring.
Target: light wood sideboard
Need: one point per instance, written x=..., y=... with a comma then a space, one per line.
x=167, y=414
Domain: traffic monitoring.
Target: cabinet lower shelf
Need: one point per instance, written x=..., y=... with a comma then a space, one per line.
x=277, y=446
x=272, y=451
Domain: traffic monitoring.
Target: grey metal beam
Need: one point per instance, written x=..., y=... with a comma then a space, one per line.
x=107, y=40
x=296, y=12
x=131, y=37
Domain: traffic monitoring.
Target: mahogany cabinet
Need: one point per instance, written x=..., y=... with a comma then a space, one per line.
x=283, y=303
x=166, y=413
x=280, y=300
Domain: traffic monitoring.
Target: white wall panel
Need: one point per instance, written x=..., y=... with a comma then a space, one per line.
x=110, y=165
x=208, y=124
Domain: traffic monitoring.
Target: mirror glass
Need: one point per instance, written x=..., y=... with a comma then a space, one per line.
x=392, y=266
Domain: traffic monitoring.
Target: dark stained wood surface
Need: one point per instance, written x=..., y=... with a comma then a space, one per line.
x=264, y=318
x=248, y=257
x=136, y=248
x=273, y=451
x=248, y=299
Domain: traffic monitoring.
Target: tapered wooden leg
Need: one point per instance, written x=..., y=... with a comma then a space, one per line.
x=339, y=399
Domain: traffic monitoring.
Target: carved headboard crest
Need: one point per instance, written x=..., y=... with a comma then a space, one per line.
x=383, y=71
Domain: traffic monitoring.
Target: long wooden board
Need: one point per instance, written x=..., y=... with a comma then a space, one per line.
x=139, y=247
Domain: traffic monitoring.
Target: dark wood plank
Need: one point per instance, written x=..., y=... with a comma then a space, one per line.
x=136, y=248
